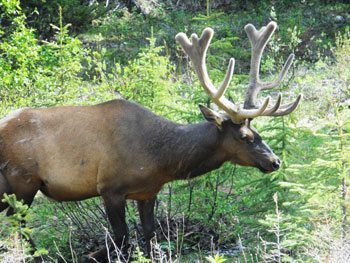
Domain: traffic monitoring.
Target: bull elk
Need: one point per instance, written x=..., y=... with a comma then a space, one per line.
x=119, y=150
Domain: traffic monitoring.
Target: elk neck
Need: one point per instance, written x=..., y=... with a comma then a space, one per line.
x=195, y=150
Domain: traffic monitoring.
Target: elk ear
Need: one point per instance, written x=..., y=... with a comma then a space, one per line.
x=212, y=116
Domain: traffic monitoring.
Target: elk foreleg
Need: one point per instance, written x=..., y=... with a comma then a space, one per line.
x=146, y=211
x=115, y=209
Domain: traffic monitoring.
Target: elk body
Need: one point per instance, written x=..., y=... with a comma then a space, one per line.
x=119, y=150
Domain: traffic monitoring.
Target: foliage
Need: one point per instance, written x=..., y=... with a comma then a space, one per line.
x=277, y=251
x=140, y=258
x=153, y=83
x=216, y=259
x=79, y=13
x=18, y=218
x=34, y=74
x=15, y=233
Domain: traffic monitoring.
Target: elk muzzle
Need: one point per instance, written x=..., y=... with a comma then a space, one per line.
x=270, y=166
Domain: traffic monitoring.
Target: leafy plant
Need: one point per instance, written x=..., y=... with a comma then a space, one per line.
x=216, y=259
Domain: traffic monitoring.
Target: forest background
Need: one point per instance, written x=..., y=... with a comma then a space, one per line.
x=82, y=52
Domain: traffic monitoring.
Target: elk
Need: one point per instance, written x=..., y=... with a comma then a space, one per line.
x=119, y=150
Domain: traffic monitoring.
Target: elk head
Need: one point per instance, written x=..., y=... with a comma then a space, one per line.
x=240, y=141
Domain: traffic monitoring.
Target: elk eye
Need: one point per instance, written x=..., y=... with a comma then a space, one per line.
x=246, y=134
x=246, y=137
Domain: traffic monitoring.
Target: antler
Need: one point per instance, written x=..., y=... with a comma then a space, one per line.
x=196, y=49
x=258, y=40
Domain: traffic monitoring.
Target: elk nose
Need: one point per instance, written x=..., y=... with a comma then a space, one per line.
x=276, y=164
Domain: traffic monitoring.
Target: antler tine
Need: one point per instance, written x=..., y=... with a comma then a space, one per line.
x=285, y=109
x=272, y=110
x=197, y=52
x=283, y=73
x=253, y=113
x=228, y=77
